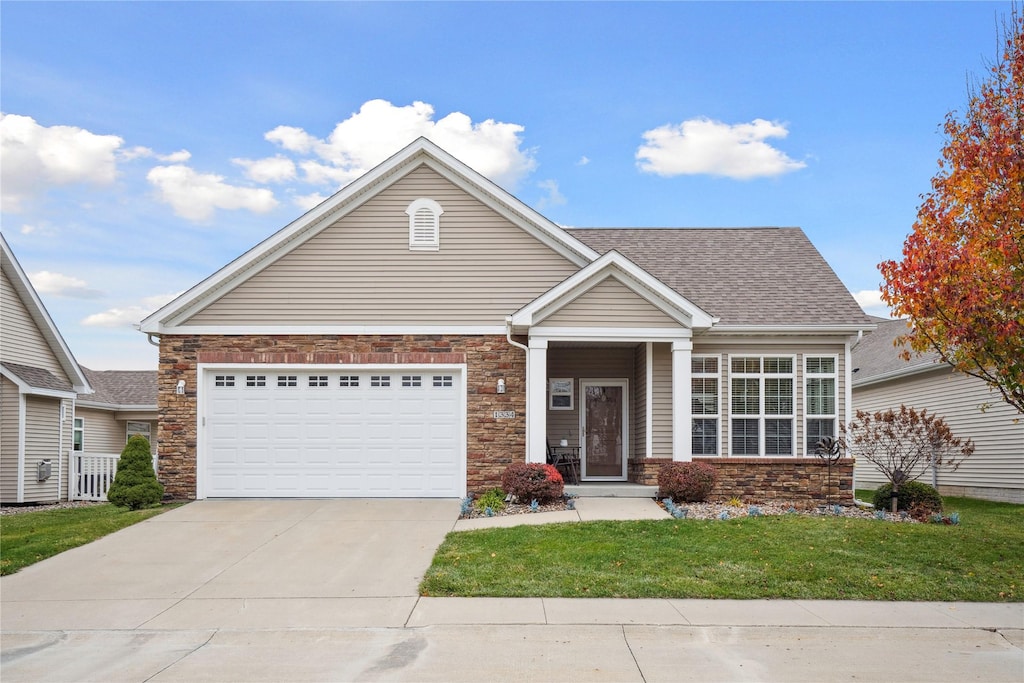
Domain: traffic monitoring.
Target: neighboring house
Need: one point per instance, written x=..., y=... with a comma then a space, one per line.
x=883, y=380
x=422, y=329
x=123, y=404
x=39, y=380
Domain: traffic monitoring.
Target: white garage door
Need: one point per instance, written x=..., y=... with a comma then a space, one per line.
x=333, y=433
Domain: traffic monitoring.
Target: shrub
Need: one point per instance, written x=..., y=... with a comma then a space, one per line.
x=914, y=496
x=689, y=482
x=135, y=485
x=532, y=481
x=494, y=499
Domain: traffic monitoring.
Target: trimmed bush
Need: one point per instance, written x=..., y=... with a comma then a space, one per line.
x=686, y=482
x=529, y=481
x=913, y=495
x=135, y=485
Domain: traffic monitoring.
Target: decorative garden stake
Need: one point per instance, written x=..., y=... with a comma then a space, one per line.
x=829, y=450
x=534, y=505
x=570, y=504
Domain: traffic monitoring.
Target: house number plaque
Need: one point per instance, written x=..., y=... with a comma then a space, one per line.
x=504, y=414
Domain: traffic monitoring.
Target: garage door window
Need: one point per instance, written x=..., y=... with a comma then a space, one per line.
x=442, y=380
x=318, y=380
x=224, y=381
x=287, y=381
x=348, y=381
x=256, y=380
x=412, y=381
x=380, y=380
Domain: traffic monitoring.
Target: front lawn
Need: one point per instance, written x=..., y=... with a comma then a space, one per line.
x=790, y=556
x=28, y=537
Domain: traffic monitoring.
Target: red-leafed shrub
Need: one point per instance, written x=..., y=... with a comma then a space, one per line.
x=529, y=481
x=686, y=482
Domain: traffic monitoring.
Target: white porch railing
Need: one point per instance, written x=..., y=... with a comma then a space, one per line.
x=92, y=474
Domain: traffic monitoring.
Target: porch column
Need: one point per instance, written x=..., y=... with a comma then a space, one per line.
x=682, y=407
x=536, y=401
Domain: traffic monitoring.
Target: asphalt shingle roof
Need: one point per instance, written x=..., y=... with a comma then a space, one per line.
x=121, y=387
x=876, y=354
x=744, y=276
x=38, y=377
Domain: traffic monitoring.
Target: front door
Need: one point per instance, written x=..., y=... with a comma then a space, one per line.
x=603, y=429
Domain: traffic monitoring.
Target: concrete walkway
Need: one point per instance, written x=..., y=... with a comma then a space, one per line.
x=326, y=591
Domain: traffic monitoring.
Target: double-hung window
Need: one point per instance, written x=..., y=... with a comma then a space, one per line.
x=762, y=405
x=821, y=379
x=78, y=435
x=704, y=392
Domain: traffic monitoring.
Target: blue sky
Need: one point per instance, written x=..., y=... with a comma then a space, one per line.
x=145, y=145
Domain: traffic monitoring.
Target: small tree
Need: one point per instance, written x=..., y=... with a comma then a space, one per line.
x=903, y=444
x=135, y=485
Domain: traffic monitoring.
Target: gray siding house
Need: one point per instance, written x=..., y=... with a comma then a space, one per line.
x=882, y=380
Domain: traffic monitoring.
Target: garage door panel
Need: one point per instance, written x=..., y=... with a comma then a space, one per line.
x=326, y=433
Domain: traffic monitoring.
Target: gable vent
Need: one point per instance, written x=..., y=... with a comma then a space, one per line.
x=424, y=225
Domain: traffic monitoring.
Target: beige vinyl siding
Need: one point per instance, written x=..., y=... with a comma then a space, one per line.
x=360, y=271
x=640, y=402
x=661, y=424
x=584, y=363
x=10, y=409
x=107, y=431
x=610, y=303
x=995, y=470
x=42, y=442
x=22, y=341
x=800, y=351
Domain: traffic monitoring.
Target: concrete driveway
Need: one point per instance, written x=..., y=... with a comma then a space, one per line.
x=228, y=563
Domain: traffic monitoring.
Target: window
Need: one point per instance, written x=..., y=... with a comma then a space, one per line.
x=380, y=380
x=761, y=399
x=348, y=381
x=318, y=380
x=412, y=381
x=560, y=393
x=424, y=225
x=140, y=428
x=256, y=380
x=704, y=392
x=821, y=378
x=224, y=381
x=78, y=435
x=287, y=380
x=442, y=380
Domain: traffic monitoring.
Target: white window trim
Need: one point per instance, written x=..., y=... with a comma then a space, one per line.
x=717, y=416
x=559, y=383
x=416, y=241
x=76, y=428
x=128, y=433
x=834, y=376
x=761, y=416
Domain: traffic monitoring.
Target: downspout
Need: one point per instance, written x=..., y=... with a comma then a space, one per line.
x=526, y=350
x=508, y=336
x=149, y=338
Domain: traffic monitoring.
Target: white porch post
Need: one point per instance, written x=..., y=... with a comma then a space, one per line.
x=536, y=401
x=682, y=408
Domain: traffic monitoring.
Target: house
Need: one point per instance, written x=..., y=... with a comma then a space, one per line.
x=883, y=380
x=39, y=381
x=422, y=329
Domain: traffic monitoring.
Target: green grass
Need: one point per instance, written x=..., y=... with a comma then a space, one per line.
x=980, y=560
x=29, y=537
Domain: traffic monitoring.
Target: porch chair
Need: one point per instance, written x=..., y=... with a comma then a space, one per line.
x=566, y=461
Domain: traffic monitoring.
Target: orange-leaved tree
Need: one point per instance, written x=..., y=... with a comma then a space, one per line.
x=961, y=279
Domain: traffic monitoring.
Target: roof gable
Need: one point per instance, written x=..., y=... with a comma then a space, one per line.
x=876, y=357
x=26, y=293
x=636, y=279
x=420, y=152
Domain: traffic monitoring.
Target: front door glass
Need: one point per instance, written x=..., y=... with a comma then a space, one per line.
x=604, y=452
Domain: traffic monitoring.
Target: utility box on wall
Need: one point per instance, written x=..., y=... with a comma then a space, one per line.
x=43, y=470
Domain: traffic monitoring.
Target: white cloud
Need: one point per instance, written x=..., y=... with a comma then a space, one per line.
x=195, y=196
x=128, y=316
x=308, y=201
x=379, y=129
x=702, y=146
x=870, y=301
x=275, y=169
x=58, y=284
x=553, y=198
x=138, y=152
x=584, y=160
x=34, y=158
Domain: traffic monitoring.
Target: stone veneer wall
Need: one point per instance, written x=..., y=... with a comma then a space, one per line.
x=491, y=444
x=800, y=480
